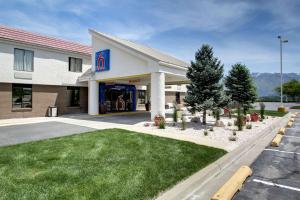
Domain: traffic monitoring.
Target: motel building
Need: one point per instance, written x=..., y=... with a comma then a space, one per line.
x=112, y=75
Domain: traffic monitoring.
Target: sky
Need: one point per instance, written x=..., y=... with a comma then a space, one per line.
x=239, y=31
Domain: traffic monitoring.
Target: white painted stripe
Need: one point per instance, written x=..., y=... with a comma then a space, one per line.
x=289, y=152
x=277, y=185
x=290, y=136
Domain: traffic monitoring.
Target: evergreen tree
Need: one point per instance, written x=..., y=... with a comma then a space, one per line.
x=239, y=85
x=205, y=90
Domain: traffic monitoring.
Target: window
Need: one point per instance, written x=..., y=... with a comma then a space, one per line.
x=21, y=96
x=75, y=64
x=141, y=96
x=23, y=60
x=73, y=95
x=178, y=97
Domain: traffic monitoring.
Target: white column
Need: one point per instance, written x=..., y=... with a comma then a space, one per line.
x=93, y=97
x=157, y=94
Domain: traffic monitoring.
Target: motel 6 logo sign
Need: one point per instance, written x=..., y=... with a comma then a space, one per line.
x=102, y=61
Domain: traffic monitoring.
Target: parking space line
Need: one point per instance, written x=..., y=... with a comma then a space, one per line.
x=290, y=136
x=289, y=152
x=276, y=185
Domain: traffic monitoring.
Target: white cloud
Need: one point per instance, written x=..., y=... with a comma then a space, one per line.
x=219, y=16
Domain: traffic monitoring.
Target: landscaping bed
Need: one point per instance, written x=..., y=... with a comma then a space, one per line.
x=106, y=164
x=218, y=135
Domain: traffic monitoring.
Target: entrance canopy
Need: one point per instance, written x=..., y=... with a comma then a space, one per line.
x=118, y=61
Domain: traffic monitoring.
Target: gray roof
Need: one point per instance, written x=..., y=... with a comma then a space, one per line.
x=145, y=50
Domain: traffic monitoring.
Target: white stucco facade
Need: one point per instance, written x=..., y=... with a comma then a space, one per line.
x=138, y=65
x=146, y=71
x=50, y=67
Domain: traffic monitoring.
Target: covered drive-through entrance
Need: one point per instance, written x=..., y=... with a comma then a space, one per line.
x=120, y=67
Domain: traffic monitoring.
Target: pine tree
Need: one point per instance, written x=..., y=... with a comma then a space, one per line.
x=239, y=85
x=205, y=90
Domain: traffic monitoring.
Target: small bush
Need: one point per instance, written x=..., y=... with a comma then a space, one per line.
x=175, y=112
x=205, y=132
x=162, y=124
x=211, y=129
x=262, y=110
x=249, y=126
x=240, y=119
x=216, y=113
x=183, y=122
x=234, y=133
x=229, y=124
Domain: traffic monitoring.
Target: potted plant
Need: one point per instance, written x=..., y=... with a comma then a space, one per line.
x=147, y=106
x=254, y=117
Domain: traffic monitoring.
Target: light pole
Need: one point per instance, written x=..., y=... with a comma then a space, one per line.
x=281, y=108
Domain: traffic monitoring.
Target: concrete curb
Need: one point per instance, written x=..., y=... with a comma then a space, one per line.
x=204, y=183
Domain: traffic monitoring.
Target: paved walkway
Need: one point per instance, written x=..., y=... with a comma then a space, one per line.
x=37, y=131
x=95, y=122
x=276, y=172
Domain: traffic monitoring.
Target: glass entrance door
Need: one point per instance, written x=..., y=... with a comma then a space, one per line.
x=119, y=99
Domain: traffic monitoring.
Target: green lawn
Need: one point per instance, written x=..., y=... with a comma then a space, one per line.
x=108, y=164
x=274, y=113
x=295, y=107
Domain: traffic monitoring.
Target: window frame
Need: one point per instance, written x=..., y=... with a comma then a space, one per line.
x=22, y=103
x=23, y=67
x=140, y=92
x=75, y=61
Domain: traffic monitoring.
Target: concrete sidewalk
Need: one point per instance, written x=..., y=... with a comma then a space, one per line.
x=207, y=181
x=100, y=125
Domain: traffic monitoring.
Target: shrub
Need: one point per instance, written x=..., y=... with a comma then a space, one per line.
x=211, y=129
x=234, y=133
x=183, y=122
x=249, y=126
x=205, y=132
x=216, y=113
x=175, y=113
x=229, y=124
x=262, y=110
x=162, y=124
x=240, y=119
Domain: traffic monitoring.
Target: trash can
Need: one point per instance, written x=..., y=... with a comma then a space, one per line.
x=52, y=111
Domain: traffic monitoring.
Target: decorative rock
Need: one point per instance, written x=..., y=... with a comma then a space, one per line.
x=219, y=123
x=195, y=119
x=232, y=138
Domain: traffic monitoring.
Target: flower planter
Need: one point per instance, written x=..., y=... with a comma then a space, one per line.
x=157, y=119
x=254, y=117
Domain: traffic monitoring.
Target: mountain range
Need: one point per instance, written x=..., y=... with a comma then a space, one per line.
x=267, y=82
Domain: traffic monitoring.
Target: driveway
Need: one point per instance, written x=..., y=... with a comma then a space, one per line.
x=31, y=132
x=276, y=172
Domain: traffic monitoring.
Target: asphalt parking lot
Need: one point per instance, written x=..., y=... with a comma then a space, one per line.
x=31, y=132
x=276, y=172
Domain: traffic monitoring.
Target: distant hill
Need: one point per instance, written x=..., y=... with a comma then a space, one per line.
x=266, y=82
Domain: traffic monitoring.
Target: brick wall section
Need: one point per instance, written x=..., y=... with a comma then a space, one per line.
x=42, y=97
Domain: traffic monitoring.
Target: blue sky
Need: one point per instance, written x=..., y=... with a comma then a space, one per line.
x=239, y=31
